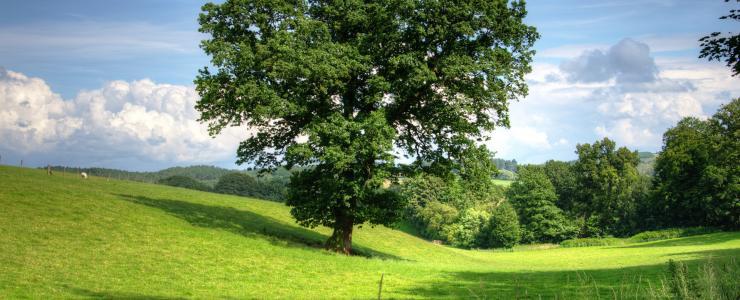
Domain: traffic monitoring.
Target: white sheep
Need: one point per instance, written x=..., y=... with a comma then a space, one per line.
x=83, y=175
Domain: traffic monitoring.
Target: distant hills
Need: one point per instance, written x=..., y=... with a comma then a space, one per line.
x=647, y=163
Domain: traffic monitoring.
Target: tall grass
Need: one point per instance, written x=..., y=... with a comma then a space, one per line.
x=711, y=279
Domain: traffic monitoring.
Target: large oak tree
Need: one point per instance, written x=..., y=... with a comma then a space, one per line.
x=340, y=86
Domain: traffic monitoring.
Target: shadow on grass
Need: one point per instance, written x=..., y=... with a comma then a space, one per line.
x=710, y=254
x=707, y=239
x=245, y=223
x=84, y=293
x=622, y=283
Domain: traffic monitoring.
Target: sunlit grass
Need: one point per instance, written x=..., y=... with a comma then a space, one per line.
x=62, y=236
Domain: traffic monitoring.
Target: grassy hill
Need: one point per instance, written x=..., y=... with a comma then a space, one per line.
x=68, y=237
x=206, y=174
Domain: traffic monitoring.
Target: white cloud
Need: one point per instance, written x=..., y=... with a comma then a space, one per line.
x=635, y=113
x=518, y=141
x=624, y=132
x=628, y=61
x=652, y=106
x=140, y=120
x=32, y=117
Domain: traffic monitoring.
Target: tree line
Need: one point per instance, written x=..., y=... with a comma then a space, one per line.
x=602, y=193
x=236, y=183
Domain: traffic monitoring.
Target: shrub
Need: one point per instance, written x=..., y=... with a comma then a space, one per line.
x=434, y=218
x=453, y=210
x=502, y=229
x=432, y=205
x=464, y=233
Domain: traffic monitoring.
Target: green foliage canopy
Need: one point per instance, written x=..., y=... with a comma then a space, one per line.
x=502, y=230
x=236, y=184
x=563, y=179
x=697, y=175
x=606, y=180
x=534, y=197
x=335, y=85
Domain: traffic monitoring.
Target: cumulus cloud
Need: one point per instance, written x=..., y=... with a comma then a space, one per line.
x=520, y=142
x=640, y=98
x=628, y=61
x=631, y=98
x=32, y=117
x=626, y=133
x=139, y=121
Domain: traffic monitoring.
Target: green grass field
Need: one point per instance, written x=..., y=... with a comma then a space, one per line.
x=502, y=182
x=64, y=237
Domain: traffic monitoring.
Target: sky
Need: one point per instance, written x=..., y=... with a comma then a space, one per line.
x=110, y=83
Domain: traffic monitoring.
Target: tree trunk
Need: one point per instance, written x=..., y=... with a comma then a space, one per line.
x=341, y=239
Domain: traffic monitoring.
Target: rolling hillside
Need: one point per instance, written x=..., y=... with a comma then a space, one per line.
x=100, y=238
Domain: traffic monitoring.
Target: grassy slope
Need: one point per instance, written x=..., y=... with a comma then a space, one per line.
x=67, y=237
x=502, y=182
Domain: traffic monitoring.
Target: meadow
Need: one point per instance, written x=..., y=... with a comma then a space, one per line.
x=64, y=237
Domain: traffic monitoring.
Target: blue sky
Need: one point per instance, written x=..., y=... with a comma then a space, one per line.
x=109, y=83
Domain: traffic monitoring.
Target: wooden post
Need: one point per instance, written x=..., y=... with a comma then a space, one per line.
x=380, y=286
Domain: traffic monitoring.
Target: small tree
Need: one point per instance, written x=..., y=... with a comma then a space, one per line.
x=334, y=86
x=534, y=197
x=502, y=229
